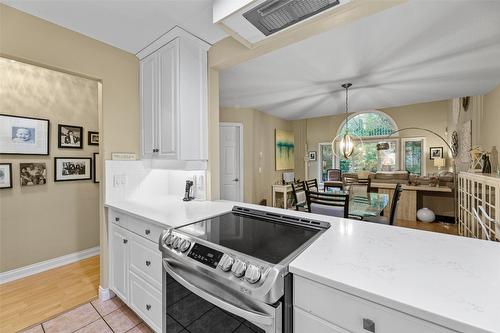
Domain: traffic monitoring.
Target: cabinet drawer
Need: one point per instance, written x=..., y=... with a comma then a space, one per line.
x=146, y=301
x=145, y=260
x=138, y=226
x=303, y=322
x=352, y=313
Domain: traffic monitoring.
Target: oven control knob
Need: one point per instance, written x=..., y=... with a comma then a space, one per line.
x=238, y=268
x=170, y=239
x=177, y=242
x=185, y=245
x=226, y=263
x=252, y=274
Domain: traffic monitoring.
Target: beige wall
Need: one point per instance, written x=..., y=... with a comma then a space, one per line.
x=29, y=38
x=258, y=139
x=490, y=121
x=63, y=217
x=432, y=116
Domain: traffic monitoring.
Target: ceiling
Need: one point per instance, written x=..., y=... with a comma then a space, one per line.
x=416, y=52
x=128, y=24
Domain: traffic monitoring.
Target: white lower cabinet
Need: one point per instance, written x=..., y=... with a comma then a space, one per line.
x=136, y=266
x=319, y=308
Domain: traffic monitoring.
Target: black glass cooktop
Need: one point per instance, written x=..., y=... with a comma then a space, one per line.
x=265, y=239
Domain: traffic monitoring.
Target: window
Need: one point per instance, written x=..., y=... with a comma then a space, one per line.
x=371, y=127
x=325, y=160
x=413, y=155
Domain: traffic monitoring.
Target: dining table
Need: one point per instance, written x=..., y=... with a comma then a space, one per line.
x=364, y=205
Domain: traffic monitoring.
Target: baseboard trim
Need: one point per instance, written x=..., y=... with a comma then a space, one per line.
x=105, y=294
x=39, y=267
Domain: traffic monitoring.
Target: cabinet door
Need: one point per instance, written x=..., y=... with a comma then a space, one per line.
x=149, y=105
x=168, y=117
x=119, y=261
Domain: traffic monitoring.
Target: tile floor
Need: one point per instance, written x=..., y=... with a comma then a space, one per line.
x=111, y=316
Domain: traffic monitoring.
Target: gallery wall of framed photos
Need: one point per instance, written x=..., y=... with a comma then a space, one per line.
x=48, y=139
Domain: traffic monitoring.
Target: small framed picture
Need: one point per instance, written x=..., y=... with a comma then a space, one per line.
x=32, y=174
x=69, y=136
x=5, y=175
x=435, y=152
x=312, y=156
x=93, y=138
x=97, y=168
x=24, y=135
x=72, y=168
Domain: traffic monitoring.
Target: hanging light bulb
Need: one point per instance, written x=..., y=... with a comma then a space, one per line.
x=346, y=144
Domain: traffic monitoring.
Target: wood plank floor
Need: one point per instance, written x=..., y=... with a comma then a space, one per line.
x=36, y=298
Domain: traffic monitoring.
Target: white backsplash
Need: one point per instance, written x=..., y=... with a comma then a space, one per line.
x=137, y=180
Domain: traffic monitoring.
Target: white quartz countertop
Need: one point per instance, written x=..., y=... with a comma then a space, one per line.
x=171, y=211
x=451, y=281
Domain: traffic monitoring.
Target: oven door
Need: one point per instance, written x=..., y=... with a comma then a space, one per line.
x=195, y=303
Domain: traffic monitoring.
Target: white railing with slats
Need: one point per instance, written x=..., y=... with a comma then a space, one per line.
x=479, y=205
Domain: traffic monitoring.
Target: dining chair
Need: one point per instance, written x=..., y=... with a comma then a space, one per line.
x=299, y=195
x=312, y=185
x=360, y=185
x=331, y=204
x=394, y=209
x=334, y=178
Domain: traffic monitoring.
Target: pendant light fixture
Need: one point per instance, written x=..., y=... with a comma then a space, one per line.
x=346, y=144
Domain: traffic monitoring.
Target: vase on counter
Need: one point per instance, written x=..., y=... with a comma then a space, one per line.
x=494, y=158
x=486, y=164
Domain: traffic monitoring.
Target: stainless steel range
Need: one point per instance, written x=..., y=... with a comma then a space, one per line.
x=229, y=273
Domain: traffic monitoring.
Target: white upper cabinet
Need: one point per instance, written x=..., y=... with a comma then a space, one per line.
x=174, y=98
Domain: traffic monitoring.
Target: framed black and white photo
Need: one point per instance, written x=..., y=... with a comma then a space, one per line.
x=72, y=168
x=31, y=174
x=435, y=152
x=93, y=138
x=312, y=156
x=5, y=175
x=24, y=135
x=69, y=136
x=97, y=168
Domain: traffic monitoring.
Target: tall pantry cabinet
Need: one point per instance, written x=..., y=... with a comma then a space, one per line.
x=173, y=79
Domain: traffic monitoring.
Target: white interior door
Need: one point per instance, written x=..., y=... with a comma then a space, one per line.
x=231, y=184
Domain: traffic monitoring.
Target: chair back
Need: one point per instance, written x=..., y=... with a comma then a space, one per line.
x=394, y=205
x=334, y=174
x=312, y=185
x=362, y=185
x=333, y=204
x=299, y=194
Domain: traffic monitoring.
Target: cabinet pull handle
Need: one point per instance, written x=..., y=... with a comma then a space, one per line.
x=147, y=231
x=117, y=219
x=148, y=307
x=125, y=241
x=148, y=263
x=369, y=325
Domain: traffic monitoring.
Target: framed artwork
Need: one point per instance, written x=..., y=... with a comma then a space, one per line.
x=93, y=138
x=31, y=174
x=284, y=150
x=72, y=168
x=97, y=169
x=24, y=135
x=69, y=136
x=5, y=175
x=313, y=156
x=435, y=152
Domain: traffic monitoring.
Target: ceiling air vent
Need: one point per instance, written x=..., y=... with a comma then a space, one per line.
x=275, y=15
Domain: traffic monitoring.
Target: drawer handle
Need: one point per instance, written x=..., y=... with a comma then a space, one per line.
x=117, y=219
x=369, y=325
x=147, y=231
x=148, y=307
x=148, y=263
x=125, y=241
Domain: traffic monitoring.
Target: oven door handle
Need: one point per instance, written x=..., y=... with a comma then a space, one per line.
x=250, y=315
